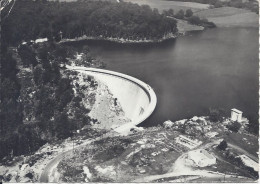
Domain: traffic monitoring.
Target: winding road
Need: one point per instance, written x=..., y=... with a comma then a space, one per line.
x=52, y=165
x=49, y=173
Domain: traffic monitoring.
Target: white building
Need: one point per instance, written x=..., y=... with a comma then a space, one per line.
x=201, y=158
x=236, y=115
x=41, y=40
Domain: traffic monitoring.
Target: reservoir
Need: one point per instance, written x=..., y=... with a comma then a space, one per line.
x=215, y=68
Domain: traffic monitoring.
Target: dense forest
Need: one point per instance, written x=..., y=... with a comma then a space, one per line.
x=36, y=96
x=56, y=20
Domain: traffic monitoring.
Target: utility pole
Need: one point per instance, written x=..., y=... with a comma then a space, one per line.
x=115, y=150
x=133, y=158
x=225, y=176
x=116, y=169
x=73, y=165
x=60, y=33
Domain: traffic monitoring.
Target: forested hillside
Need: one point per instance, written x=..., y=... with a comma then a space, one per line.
x=38, y=104
x=56, y=20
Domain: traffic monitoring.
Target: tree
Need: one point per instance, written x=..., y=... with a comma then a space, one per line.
x=216, y=115
x=61, y=53
x=218, y=4
x=170, y=12
x=180, y=14
x=64, y=85
x=253, y=126
x=194, y=20
x=155, y=11
x=234, y=126
x=37, y=75
x=9, y=89
x=8, y=66
x=223, y=145
x=62, y=126
x=189, y=13
x=28, y=57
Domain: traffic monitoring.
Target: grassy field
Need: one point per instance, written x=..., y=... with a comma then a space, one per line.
x=221, y=12
x=183, y=26
x=230, y=17
x=248, y=143
x=175, y=5
x=222, y=17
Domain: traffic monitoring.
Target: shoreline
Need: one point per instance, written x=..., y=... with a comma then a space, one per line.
x=182, y=32
x=125, y=41
x=119, y=40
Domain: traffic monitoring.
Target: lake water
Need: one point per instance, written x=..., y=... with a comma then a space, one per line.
x=215, y=68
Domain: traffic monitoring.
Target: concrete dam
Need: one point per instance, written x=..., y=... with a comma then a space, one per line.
x=137, y=99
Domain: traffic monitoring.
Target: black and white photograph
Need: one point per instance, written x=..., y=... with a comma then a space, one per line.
x=129, y=91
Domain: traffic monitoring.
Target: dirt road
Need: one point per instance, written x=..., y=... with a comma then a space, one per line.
x=49, y=174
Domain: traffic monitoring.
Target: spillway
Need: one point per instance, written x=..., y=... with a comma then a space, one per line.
x=137, y=99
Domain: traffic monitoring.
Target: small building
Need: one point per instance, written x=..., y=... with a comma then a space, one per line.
x=185, y=141
x=236, y=115
x=41, y=40
x=201, y=158
x=211, y=134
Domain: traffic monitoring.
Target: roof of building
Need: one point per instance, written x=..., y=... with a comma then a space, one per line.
x=40, y=40
x=237, y=111
x=201, y=157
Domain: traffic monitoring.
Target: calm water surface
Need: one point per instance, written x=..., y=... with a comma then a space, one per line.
x=215, y=68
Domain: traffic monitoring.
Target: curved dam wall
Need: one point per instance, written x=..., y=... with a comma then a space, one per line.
x=136, y=98
x=132, y=98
